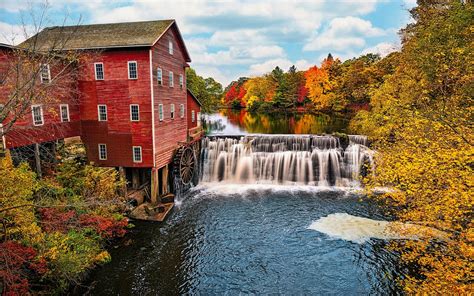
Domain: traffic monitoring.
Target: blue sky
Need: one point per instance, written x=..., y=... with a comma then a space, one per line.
x=229, y=39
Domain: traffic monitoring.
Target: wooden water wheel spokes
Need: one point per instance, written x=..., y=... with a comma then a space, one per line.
x=187, y=165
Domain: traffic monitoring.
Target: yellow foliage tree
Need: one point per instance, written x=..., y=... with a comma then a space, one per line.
x=421, y=124
x=17, y=185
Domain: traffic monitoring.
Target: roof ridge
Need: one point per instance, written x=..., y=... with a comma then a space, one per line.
x=88, y=25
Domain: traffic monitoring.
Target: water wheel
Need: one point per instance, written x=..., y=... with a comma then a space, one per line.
x=185, y=165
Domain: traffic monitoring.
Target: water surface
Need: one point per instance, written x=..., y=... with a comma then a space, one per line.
x=238, y=122
x=254, y=241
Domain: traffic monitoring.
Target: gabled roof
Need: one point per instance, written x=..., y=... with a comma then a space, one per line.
x=194, y=97
x=102, y=36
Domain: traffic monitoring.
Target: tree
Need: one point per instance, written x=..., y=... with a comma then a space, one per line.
x=319, y=85
x=207, y=90
x=421, y=124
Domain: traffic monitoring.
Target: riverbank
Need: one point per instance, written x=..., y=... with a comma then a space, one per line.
x=57, y=228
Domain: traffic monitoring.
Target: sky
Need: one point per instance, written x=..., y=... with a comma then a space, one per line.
x=228, y=39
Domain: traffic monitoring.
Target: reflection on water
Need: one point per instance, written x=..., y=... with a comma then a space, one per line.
x=237, y=122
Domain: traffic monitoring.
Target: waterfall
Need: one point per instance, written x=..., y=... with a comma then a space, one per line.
x=284, y=159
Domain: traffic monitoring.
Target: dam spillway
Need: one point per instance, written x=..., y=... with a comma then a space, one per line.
x=318, y=160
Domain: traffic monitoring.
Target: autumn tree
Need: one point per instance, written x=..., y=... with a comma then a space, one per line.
x=421, y=124
x=319, y=84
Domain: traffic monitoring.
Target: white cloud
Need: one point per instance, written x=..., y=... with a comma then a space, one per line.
x=383, y=48
x=285, y=64
x=409, y=3
x=344, y=33
x=14, y=34
x=236, y=37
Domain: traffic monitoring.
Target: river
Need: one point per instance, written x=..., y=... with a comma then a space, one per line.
x=247, y=230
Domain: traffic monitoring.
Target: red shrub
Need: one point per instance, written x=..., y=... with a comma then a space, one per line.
x=54, y=219
x=16, y=263
x=105, y=227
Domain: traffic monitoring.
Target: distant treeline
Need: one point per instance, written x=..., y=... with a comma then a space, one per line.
x=334, y=85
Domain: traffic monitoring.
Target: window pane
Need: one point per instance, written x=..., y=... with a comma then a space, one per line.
x=45, y=74
x=171, y=79
x=137, y=154
x=132, y=70
x=160, y=76
x=37, y=113
x=102, y=152
x=99, y=71
x=64, y=113
x=160, y=109
x=134, y=113
x=102, y=113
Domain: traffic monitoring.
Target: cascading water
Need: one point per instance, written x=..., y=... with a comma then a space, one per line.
x=284, y=159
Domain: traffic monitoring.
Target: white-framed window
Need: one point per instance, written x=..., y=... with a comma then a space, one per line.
x=172, y=111
x=132, y=70
x=99, y=71
x=160, y=111
x=102, y=152
x=64, y=111
x=170, y=46
x=45, y=73
x=199, y=118
x=193, y=116
x=102, y=112
x=37, y=114
x=171, y=79
x=137, y=153
x=181, y=81
x=134, y=112
x=181, y=110
x=159, y=76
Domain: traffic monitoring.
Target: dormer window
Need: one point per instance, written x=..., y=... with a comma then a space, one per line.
x=45, y=74
x=170, y=46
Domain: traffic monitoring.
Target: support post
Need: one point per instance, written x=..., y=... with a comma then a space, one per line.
x=38, y=160
x=164, y=180
x=135, y=178
x=154, y=186
x=123, y=177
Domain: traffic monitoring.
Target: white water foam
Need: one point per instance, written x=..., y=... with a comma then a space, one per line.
x=223, y=188
x=360, y=229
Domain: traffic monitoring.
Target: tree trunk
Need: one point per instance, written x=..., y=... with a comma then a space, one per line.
x=38, y=160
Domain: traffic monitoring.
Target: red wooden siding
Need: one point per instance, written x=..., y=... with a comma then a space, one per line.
x=169, y=131
x=116, y=91
x=24, y=132
x=192, y=105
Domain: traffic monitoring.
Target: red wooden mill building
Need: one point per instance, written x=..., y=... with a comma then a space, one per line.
x=131, y=110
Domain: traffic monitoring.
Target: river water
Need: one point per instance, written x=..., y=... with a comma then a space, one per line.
x=264, y=235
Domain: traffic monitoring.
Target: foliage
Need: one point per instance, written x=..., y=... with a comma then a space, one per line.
x=17, y=186
x=71, y=254
x=207, y=90
x=18, y=262
x=421, y=124
x=334, y=86
x=55, y=229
